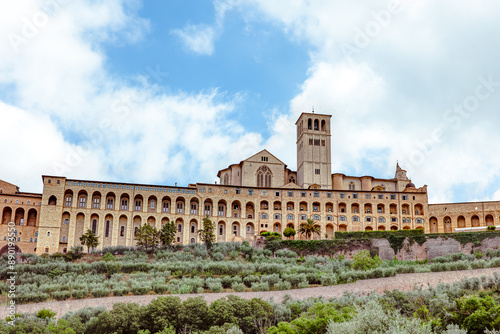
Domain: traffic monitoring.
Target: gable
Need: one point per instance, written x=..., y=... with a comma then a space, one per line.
x=8, y=188
x=265, y=157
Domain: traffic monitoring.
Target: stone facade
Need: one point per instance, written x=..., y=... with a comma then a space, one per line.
x=258, y=194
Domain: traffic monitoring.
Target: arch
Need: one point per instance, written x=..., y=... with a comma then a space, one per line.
x=52, y=200
x=221, y=231
x=166, y=203
x=6, y=215
x=194, y=204
x=264, y=216
x=236, y=209
x=342, y=207
x=290, y=216
x=419, y=210
x=368, y=228
x=124, y=202
x=316, y=125
x=393, y=209
x=277, y=205
x=5, y=250
x=123, y=222
x=79, y=226
x=381, y=228
x=64, y=230
x=193, y=226
x=235, y=229
x=32, y=216
x=447, y=224
x=433, y=222
x=110, y=201
x=193, y=240
x=277, y=227
x=408, y=227
x=208, y=206
x=82, y=199
x=226, y=179
x=303, y=206
x=381, y=209
x=323, y=125
x=368, y=208
x=381, y=219
x=309, y=124
x=152, y=203
x=264, y=177
x=165, y=220
x=108, y=230
x=316, y=207
x=222, y=208
x=290, y=206
x=329, y=207
x=343, y=228
x=475, y=221
x=94, y=223
x=138, y=201
x=264, y=205
x=151, y=221
x=68, y=198
x=303, y=217
x=19, y=216
x=368, y=219
x=180, y=204
x=250, y=210
x=250, y=229
x=356, y=219
x=406, y=209
x=329, y=231
x=355, y=208
x=96, y=200
x=136, y=223
x=490, y=221
x=420, y=228
x=394, y=228
x=461, y=222
x=277, y=216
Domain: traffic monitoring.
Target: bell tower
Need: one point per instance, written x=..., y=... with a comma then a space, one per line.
x=314, y=161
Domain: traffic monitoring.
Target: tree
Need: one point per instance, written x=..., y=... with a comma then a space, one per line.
x=363, y=261
x=207, y=234
x=167, y=234
x=148, y=237
x=90, y=240
x=309, y=228
x=289, y=232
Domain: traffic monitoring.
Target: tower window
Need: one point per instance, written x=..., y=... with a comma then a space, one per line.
x=310, y=141
x=323, y=143
x=317, y=171
x=316, y=142
x=265, y=159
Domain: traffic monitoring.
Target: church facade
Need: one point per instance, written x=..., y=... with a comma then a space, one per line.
x=258, y=194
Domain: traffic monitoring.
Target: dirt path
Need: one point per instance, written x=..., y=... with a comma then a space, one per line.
x=402, y=282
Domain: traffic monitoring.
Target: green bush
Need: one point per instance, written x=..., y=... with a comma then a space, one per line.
x=238, y=287
x=79, y=294
x=363, y=261
x=100, y=292
x=108, y=257
x=329, y=279
x=61, y=295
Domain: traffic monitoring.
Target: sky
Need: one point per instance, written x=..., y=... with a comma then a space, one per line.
x=166, y=92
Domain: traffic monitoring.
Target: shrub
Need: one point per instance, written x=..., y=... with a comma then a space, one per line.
x=303, y=285
x=478, y=254
x=248, y=280
x=215, y=287
x=120, y=290
x=184, y=289
x=108, y=257
x=491, y=228
x=238, y=287
x=218, y=257
x=79, y=293
x=270, y=279
x=100, y=292
x=61, y=295
x=363, y=261
x=256, y=286
x=330, y=279
x=160, y=288
x=140, y=288
x=283, y=285
x=45, y=314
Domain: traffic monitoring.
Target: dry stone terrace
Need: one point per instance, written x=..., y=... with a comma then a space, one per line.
x=402, y=282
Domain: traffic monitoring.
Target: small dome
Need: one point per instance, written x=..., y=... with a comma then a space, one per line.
x=410, y=185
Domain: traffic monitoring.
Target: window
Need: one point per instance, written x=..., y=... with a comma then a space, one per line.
x=179, y=228
x=343, y=218
x=316, y=217
x=355, y=218
x=152, y=204
x=66, y=221
x=221, y=229
x=122, y=231
x=329, y=218
x=303, y=194
x=368, y=196
x=380, y=196
x=238, y=191
x=97, y=201
x=36, y=233
x=106, y=233
x=265, y=159
x=323, y=143
x=67, y=202
x=82, y=203
x=342, y=195
x=48, y=234
x=316, y=142
x=277, y=216
x=419, y=221
x=317, y=171
x=290, y=194
x=381, y=219
x=310, y=143
x=193, y=228
x=315, y=208
x=352, y=186
x=250, y=192
x=368, y=219
x=264, y=216
x=303, y=217
x=31, y=239
x=394, y=220
x=405, y=197
x=165, y=207
x=64, y=239
x=264, y=177
x=94, y=226
x=290, y=217
x=393, y=196
x=138, y=205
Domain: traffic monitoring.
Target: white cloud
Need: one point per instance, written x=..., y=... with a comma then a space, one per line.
x=68, y=116
x=197, y=38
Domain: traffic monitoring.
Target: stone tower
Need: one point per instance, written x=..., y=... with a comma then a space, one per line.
x=314, y=163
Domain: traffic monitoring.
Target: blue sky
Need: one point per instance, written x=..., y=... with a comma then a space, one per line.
x=172, y=91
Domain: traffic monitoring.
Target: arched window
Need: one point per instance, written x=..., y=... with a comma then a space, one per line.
x=179, y=228
x=329, y=218
x=419, y=221
x=316, y=125
x=48, y=233
x=352, y=186
x=192, y=228
x=368, y=219
x=52, y=200
x=309, y=124
x=381, y=219
x=343, y=218
x=303, y=217
x=94, y=226
x=355, y=218
x=316, y=217
x=122, y=231
x=264, y=177
x=323, y=125
x=264, y=216
x=290, y=217
x=277, y=216
x=193, y=240
x=226, y=179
